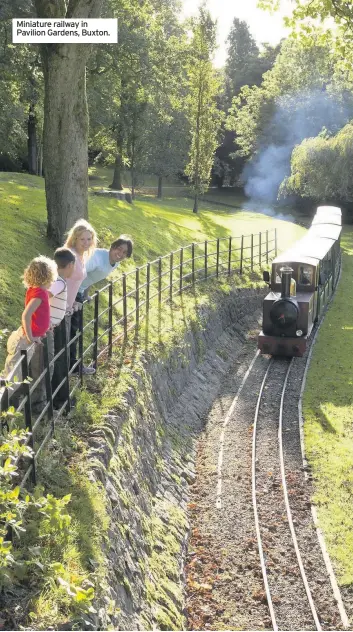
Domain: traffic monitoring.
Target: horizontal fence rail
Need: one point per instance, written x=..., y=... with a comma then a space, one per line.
x=128, y=301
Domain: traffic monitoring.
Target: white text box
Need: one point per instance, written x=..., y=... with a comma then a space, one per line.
x=63, y=31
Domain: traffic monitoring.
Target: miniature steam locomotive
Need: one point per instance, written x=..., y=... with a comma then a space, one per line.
x=302, y=280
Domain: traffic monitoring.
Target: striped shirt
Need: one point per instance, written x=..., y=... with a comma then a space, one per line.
x=76, y=278
x=58, y=302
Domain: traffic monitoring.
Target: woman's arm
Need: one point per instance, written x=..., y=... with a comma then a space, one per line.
x=29, y=310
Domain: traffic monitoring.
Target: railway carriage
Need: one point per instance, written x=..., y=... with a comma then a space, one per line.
x=302, y=279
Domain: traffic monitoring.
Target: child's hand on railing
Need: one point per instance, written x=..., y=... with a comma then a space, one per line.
x=34, y=339
x=77, y=306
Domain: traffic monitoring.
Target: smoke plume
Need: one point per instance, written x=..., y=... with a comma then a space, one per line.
x=295, y=119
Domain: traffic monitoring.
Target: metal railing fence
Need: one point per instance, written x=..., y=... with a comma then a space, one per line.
x=129, y=299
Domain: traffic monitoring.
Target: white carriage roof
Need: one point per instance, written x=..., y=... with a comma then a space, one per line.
x=334, y=210
x=328, y=215
x=325, y=230
x=323, y=218
x=330, y=231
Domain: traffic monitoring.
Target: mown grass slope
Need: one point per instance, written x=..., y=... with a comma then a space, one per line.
x=328, y=411
x=157, y=227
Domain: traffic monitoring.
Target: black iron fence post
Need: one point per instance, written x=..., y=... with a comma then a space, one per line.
x=229, y=255
x=159, y=281
x=95, y=328
x=80, y=346
x=110, y=321
x=260, y=243
x=241, y=254
x=171, y=263
x=193, y=262
x=124, y=306
x=27, y=409
x=267, y=246
x=217, y=258
x=137, y=296
x=206, y=255
x=66, y=385
x=275, y=242
x=181, y=261
x=48, y=388
x=148, y=280
x=4, y=401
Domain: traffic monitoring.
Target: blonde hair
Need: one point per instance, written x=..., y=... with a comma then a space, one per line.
x=40, y=271
x=79, y=227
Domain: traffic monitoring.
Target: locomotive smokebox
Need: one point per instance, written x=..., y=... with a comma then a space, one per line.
x=286, y=276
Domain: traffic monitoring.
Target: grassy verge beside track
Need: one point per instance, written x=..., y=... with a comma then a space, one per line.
x=328, y=413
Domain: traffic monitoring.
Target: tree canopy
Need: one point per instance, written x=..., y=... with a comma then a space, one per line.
x=321, y=168
x=301, y=95
x=311, y=19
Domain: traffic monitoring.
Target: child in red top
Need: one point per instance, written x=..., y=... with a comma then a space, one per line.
x=37, y=278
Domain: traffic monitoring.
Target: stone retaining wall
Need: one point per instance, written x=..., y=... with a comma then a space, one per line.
x=144, y=457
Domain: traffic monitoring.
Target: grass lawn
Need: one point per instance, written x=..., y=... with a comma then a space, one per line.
x=328, y=412
x=157, y=227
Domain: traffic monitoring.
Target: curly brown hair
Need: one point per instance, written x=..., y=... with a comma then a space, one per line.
x=40, y=271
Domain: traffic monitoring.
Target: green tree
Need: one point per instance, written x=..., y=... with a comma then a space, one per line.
x=321, y=168
x=240, y=68
x=21, y=81
x=165, y=140
x=300, y=95
x=245, y=65
x=203, y=114
x=144, y=78
x=304, y=24
x=297, y=72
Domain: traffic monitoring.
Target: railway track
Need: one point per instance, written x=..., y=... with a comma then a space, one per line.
x=292, y=587
x=285, y=580
x=263, y=508
x=268, y=478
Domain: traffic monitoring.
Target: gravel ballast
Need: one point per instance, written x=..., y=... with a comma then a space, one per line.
x=224, y=578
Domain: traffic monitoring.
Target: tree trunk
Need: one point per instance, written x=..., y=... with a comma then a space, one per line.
x=159, y=194
x=40, y=160
x=65, y=137
x=32, y=140
x=132, y=182
x=118, y=166
x=196, y=203
x=133, y=169
x=117, y=183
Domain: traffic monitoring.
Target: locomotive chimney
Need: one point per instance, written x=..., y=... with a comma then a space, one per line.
x=286, y=273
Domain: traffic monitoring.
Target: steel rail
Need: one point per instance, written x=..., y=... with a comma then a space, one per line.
x=286, y=501
x=256, y=515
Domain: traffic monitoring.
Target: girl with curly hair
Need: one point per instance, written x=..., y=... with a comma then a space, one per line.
x=37, y=278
